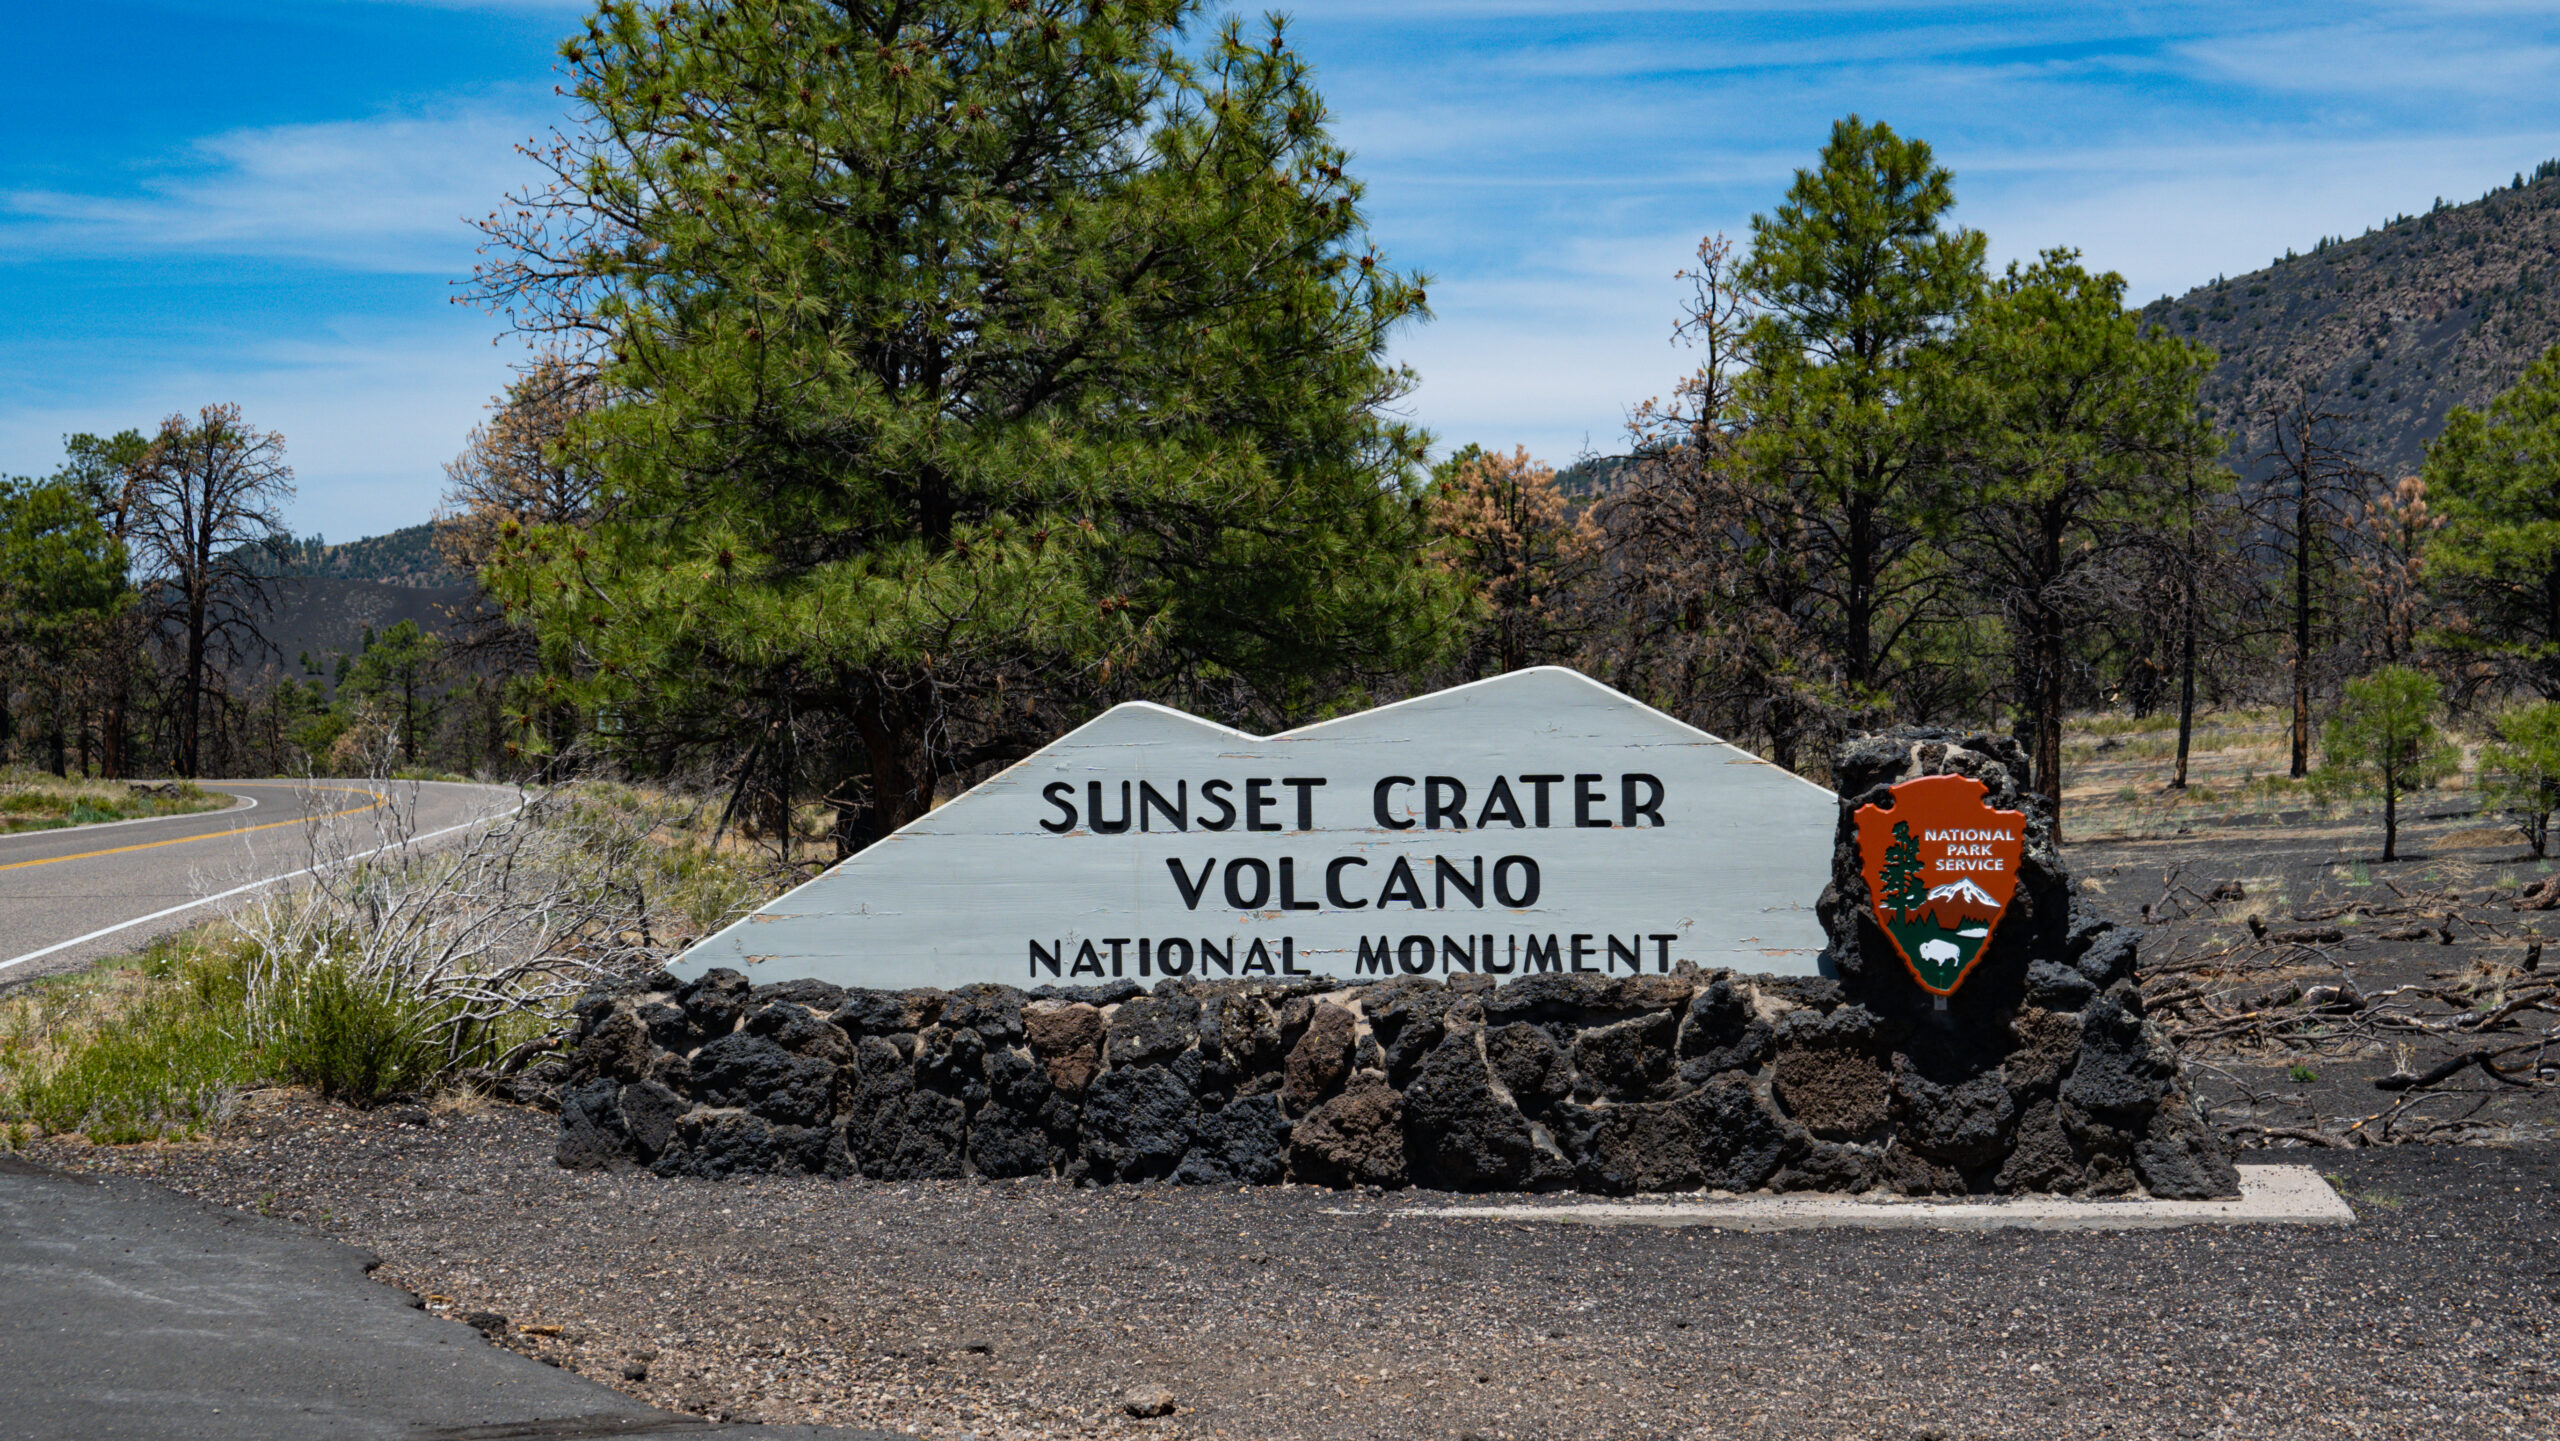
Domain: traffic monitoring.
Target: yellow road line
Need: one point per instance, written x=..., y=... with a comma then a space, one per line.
x=375, y=804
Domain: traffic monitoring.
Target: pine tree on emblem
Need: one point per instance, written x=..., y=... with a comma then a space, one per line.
x=1900, y=886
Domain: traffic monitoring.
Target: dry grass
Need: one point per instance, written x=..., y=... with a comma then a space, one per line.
x=33, y=800
x=2116, y=774
x=380, y=977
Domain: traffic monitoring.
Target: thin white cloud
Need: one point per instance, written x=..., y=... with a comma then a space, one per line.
x=2391, y=59
x=389, y=194
x=369, y=413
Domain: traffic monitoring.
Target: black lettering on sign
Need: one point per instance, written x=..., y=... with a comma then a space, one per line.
x=1152, y=802
x=1063, y=796
x=1044, y=955
x=1145, y=947
x=1333, y=883
x=1257, y=801
x=1445, y=875
x=1458, y=950
x=1289, y=887
x=1586, y=794
x=1288, y=959
x=1190, y=888
x=1444, y=798
x=1305, y=786
x=1401, y=886
x=1414, y=954
x=1379, y=803
x=1375, y=959
x=1170, y=947
x=1500, y=805
x=1581, y=953
x=1115, y=943
x=1224, y=955
x=1546, y=957
x=1088, y=961
x=1662, y=949
x=1214, y=793
x=1510, y=943
x=1539, y=784
x=1629, y=808
x=1248, y=866
x=1257, y=962
x=1093, y=809
x=1525, y=892
x=1632, y=953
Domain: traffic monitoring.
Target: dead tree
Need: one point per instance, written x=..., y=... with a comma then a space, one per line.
x=202, y=526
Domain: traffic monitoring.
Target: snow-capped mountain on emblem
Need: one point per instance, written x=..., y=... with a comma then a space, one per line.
x=1965, y=891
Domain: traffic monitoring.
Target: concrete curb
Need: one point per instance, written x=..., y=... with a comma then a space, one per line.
x=2269, y=1196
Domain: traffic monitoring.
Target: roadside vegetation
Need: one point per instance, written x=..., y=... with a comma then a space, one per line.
x=384, y=979
x=33, y=800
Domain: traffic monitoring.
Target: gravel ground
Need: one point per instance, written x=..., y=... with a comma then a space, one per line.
x=1028, y=1309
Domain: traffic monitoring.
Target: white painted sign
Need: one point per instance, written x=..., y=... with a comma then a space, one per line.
x=1536, y=822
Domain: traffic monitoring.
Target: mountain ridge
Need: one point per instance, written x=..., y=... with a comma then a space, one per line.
x=2388, y=330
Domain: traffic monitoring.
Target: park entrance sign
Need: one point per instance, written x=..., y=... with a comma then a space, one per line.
x=1536, y=822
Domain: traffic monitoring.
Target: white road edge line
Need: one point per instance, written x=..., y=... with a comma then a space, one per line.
x=251, y=886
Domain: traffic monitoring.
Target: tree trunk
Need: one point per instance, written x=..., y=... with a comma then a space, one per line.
x=2302, y=629
x=1859, y=618
x=900, y=791
x=55, y=742
x=111, y=726
x=191, y=695
x=2186, y=685
x=2390, y=817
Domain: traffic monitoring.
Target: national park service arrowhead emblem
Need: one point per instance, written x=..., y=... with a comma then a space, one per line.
x=1941, y=866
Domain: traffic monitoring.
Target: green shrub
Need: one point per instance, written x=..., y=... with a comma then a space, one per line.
x=348, y=1038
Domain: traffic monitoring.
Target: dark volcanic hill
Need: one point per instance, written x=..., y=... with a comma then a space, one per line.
x=325, y=616
x=400, y=557
x=2393, y=328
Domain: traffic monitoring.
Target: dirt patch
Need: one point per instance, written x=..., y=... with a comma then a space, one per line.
x=2320, y=994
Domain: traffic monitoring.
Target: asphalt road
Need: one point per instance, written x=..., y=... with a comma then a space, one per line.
x=127, y=1312
x=70, y=896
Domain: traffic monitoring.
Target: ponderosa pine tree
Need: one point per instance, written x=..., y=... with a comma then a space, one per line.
x=960, y=356
x=62, y=580
x=106, y=471
x=2385, y=735
x=2520, y=770
x=2493, y=480
x=2070, y=429
x=1855, y=278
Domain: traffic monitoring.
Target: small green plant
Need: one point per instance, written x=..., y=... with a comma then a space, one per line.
x=2385, y=735
x=2301, y=1073
x=2522, y=769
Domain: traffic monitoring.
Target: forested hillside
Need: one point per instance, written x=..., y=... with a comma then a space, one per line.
x=402, y=557
x=2391, y=329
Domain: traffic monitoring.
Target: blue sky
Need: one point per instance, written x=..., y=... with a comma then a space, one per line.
x=264, y=203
